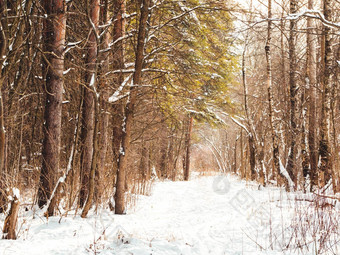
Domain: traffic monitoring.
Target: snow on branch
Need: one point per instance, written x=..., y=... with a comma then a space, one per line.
x=315, y=14
x=240, y=124
x=117, y=95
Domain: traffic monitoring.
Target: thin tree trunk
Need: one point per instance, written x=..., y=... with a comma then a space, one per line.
x=163, y=159
x=188, y=149
x=129, y=111
x=284, y=91
x=91, y=185
x=304, y=154
x=93, y=12
x=324, y=148
x=104, y=88
x=3, y=52
x=242, y=166
x=54, y=45
x=3, y=196
x=251, y=139
x=170, y=168
x=118, y=64
x=235, y=157
x=311, y=86
x=3, y=49
x=88, y=112
x=275, y=138
x=291, y=166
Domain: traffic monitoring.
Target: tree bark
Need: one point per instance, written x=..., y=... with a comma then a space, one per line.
x=11, y=220
x=54, y=29
x=3, y=52
x=324, y=147
x=118, y=64
x=188, y=149
x=91, y=124
x=251, y=135
x=3, y=49
x=275, y=139
x=129, y=111
x=88, y=112
x=104, y=88
x=291, y=166
x=304, y=154
x=311, y=86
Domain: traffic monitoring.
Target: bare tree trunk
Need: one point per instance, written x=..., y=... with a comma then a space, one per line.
x=3, y=49
x=188, y=149
x=293, y=93
x=242, y=166
x=284, y=91
x=143, y=165
x=275, y=139
x=88, y=112
x=104, y=88
x=11, y=220
x=252, y=158
x=170, y=168
x=118, y=64
x=304, y=154
x=129, y=111
x=3, y=196
x=311, y=86
x=163, y=159
x=251, y=136
x=91, y=185
x=91, y=124
x=235, y=157
x=54, y=45
x=324, y=148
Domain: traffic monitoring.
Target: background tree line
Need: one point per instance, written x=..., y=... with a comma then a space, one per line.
x=288, y=101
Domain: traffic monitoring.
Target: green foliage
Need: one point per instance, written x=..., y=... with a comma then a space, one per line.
x=197, y=59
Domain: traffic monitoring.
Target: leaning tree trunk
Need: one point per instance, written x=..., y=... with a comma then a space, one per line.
x=293, y=94
x=54, y=44
x=129, y=111
x=324, y=148
x=312, y=83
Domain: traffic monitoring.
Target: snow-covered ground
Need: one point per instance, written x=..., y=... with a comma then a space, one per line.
x=207, y=215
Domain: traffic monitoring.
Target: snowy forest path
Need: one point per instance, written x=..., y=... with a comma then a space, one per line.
x=206, y=215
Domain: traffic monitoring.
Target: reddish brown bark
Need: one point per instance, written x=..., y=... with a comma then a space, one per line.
x=129, y=110
x=54, y=40
x=11, y=220
x=118, y=64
